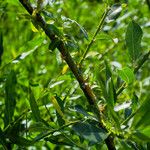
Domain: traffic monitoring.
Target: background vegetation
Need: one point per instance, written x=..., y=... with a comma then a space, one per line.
x=41, y=102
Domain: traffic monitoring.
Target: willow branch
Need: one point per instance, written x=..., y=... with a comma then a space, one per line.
x=65, y=54
x=72, y=65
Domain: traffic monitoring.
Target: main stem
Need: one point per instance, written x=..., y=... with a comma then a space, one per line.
x=72, y=65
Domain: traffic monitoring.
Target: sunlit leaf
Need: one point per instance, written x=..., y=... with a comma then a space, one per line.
x=57, y=106
x=104, y=36
x=75, y=22
x=14, y=2
x=34, y=29
x=122, y=106
x=114, y=12
x=29, y=47
x=56, y=83
x=126, y=74
x=64, y=70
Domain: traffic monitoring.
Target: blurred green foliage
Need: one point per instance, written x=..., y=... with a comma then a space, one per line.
x=41, y=103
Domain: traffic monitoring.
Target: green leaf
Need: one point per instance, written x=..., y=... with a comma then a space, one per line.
x=123, y=145
x=59, y=140
x=38, y=127
x=141, y=119
x=126, y=74
x=135, y=101
x=60, y=102
x=133, y=40
x=10, y=100
x=34, y=107
x=20, y=141
x=14, y=2
x=29, y=47
x=110, y=90
x=60, y=118
x=52, y=85
x=108, y=71
x=142, y=135
x=58, y=106
x=81, y=110
x=140, y=127
x=75, y=22
x=82, y=29
x=104, y=36
x=110, y=93
x=1, y=46
x=53, y=30
x=90, y=131
x=54, y=44
x=2, y=138
x=114, y=12
x=114, y=116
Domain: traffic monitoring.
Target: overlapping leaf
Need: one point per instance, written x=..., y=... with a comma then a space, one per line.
x=90, y=131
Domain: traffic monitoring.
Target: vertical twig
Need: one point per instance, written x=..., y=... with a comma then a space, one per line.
x=95, y=34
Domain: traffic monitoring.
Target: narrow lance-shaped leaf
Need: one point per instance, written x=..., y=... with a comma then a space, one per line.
x=65, y=19
x=114, y=12
x=10, y=100
x=1, y=46
x=60, y=140
x=60, y=116
x=110, y=90
x=58, y=105
x=34, y=107
x=29, y=47
x=140, y=128
x=133, y=40
x=141, y=118
x=111, y=95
